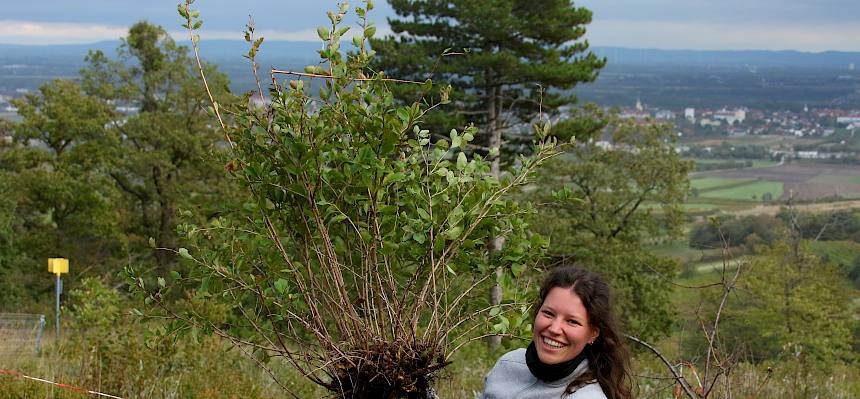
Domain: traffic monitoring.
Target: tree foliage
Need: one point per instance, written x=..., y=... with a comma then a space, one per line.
x=618, y=184
x=164, y=157
x=791, y=304
x=734, y=231
x=59, y=200
x=98, y=166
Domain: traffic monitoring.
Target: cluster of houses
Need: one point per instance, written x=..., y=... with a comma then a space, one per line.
x=745, y=121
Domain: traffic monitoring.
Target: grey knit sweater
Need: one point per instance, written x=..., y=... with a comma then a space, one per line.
x=511, y=379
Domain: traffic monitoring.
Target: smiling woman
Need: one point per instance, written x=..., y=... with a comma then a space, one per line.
x=577, y=351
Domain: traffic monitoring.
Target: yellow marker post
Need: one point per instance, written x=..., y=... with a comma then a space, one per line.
x=58, y=266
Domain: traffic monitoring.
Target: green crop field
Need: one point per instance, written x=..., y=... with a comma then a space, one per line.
x=709, y=183
x=839, y=179
x=749, y=192
x=700, y=207
x=756, y=163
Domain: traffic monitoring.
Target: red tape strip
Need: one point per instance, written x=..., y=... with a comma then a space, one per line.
x=63, y=386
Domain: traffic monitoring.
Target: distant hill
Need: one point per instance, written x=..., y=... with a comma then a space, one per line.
x=291, y=50
x=761, y=59
x=210, y=49
x=665, y=78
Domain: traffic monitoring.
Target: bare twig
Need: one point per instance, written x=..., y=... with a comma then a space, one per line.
x=321, y=76
x=194, y=40
x=678, y=377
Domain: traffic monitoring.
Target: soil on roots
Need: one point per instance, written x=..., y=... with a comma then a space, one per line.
x=387, y=370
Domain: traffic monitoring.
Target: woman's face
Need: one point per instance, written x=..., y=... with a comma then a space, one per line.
x=562, y=328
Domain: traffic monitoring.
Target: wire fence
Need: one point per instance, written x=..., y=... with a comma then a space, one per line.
x=21, y=333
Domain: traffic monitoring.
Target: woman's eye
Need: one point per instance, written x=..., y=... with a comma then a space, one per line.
x=547, y=313
x=574, y=322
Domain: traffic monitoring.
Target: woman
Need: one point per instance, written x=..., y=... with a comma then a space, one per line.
x=577, y=351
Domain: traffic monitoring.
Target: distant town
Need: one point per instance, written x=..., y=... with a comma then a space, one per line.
x=807, y=104
x=832, y=129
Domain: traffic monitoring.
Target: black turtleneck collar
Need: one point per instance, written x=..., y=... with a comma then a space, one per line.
x=550, y=372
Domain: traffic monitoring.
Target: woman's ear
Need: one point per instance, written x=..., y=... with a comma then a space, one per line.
x=595, y=332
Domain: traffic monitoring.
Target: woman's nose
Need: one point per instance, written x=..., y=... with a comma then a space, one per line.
x=555, y=326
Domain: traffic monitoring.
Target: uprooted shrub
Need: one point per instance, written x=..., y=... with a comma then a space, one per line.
x=359, y=253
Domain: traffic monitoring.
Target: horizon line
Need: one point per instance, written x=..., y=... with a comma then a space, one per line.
x=203, y=40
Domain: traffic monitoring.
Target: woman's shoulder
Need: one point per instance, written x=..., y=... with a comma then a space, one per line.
x=513, y=362
x=515, y=356
x=588, y=391
x=510, y=374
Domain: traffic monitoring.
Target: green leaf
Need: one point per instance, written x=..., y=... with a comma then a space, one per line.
x=423, y=214
x=175, y=274
x=338, y=218
x=403, y=114
x=369, y=31
x=454, y=232
x=281, y=285
x=151, y=242
x=420, y=237
x=323, y=33
x=517, y=269
x=461, y=161
x=184, y=253
x=161, y=282
x=456, y=140
x=451, y=178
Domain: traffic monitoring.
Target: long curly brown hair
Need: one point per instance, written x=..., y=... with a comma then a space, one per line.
x=608, y=357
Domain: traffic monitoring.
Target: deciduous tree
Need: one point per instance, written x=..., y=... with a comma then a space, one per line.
x=166, y=153
x=618, y=184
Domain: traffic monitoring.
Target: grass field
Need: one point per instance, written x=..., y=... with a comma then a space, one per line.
x=752, y=191
x=756, y=163
x=710, y=183
x=736, y=189
x=838, y=179
x=766, y=140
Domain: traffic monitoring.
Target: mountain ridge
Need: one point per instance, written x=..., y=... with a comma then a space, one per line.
x=298, y=50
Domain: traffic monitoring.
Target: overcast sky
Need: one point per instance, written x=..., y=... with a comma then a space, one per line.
x=806, y=25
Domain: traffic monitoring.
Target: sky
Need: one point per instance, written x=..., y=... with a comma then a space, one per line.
x=804, y=25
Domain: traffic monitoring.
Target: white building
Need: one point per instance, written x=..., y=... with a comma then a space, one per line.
x=664, y=114
x=690, y=114
x=848, y=119
x=738, y=115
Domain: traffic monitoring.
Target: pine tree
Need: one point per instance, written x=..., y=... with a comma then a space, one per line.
x=507, y=60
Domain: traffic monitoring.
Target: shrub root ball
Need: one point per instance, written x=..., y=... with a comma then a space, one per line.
x=389, y=370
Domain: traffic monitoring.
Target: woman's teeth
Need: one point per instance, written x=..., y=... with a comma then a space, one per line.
x=552, y=343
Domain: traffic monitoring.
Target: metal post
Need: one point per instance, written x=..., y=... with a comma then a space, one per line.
x=41, y=327
x=59, y=286
x=58, y=266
